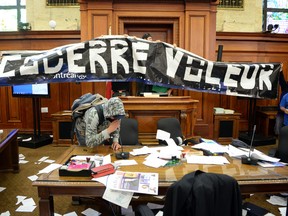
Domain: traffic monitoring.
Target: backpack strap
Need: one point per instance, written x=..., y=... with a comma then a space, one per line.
x=100, y=113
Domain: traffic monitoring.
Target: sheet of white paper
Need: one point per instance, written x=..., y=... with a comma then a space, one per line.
x=195, y=159
x=20, y=199
x=90, y=212
x=43, y=158
x=2, y=189
x=21, y=156
x=162, y=135
x=261, y=156
x=141, y=151
x=49, y=168
x=7, y=213
x=120, y=198
x=33, y=178
x=23, y=161
x=171, y=143
x=125, y=162
x=25, y=208
x=107, y=159
x=102, y=179
x=70, y=214
x=236, y=152
x=49, y=161
x=212, y=147
x=277, y=200
x=28, y=201
x=56, y=214
x=283, y=211
x=155, y=162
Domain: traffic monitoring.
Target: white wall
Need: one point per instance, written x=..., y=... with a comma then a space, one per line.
x=39, y=15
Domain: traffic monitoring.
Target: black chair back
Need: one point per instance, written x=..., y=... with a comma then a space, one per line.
x=129, y=131
x=282, y=151
x=172, y=126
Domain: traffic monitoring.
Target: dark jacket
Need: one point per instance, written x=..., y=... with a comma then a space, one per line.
x=204, y=194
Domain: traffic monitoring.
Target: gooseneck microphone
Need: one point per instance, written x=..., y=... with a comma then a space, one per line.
x=122, y=154
x=250, y=160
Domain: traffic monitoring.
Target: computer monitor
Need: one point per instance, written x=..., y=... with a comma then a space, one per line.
x=31, y=90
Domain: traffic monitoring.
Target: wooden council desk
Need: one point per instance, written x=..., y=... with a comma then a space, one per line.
x=146, y=110
x=252, y=179
x=9, y=151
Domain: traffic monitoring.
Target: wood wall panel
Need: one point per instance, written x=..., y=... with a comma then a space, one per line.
x=18, y=112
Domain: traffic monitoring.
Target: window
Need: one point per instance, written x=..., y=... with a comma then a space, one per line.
x=275, y=16
x=62, y=3
x=13, y=15
x=230, y=4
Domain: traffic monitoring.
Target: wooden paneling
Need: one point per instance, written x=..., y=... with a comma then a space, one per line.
x=17, y=112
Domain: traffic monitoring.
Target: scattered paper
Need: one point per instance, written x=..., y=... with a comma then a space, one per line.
x=213, y=147
x=23, y=161
x=33, y=178
x=28, y=202
x=102, y=179
x=268, y=164
x=20, y=199
x=2, y=189
x=218, y=160
x=90, y=212
x=125, y=162
x=162, y=135
x=7, y=213
x=283, y=211
x=25, y=208
x=49, y=168
x=277, y=200
x=49, y=161
x=70, y=214
x=120, y=198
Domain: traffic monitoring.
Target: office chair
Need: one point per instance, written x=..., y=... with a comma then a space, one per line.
x=129, y=131
x=282, y=150
x=173, y=126
x=200, y=194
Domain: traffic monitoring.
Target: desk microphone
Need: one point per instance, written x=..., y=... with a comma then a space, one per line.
x=122, y=154
x=249, y=160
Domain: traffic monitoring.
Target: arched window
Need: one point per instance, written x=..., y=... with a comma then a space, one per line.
x=275, y=16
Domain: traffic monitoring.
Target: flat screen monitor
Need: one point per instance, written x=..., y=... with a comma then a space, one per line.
x=31, y=90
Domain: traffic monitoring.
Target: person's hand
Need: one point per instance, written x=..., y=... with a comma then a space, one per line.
x=113, y=126
x=115, y=146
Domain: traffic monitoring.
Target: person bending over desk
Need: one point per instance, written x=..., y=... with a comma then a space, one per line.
x=101, y=124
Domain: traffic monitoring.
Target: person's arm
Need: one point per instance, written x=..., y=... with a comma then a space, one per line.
x=283, y=104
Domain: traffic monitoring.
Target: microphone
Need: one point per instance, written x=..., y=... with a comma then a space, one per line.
x=122, y=154
x=249, y=160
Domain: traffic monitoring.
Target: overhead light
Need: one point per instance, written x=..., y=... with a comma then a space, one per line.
x=52, y=24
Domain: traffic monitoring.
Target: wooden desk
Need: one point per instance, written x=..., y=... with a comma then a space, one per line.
x=266, y=121
x=9, y=152
x=252, y=179
x=61, y=127
x=226, y=127
x=148, y=110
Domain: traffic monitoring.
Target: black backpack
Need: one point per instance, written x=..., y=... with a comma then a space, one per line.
x=79, y=107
